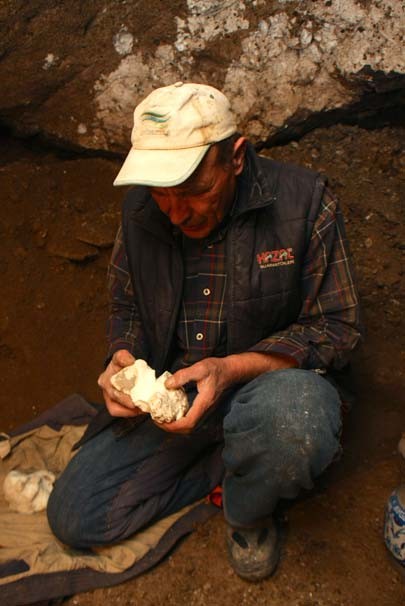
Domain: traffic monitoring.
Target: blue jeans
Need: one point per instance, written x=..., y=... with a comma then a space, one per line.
x=266, y=441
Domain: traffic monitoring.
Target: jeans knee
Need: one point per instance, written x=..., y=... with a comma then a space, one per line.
x=283, y=395
x=73, y=515
x=294, y=413
x=64, y=518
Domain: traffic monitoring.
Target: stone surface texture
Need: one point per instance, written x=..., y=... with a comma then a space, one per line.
x=149, y=393
x=73, y=72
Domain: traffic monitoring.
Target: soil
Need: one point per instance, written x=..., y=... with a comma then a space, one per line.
x=59, y=217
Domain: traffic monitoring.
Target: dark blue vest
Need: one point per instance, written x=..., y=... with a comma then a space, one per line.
x=267, y=240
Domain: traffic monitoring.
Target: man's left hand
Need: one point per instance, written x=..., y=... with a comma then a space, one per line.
x=212, y=377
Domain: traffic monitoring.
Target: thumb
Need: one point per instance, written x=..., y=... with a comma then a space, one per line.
x=178, y=379
x=123, y=358
x=172, y=382
x=195, y=372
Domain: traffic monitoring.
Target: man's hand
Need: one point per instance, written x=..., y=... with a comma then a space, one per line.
x=212, y=378
x=214, y=375
x=118, y=403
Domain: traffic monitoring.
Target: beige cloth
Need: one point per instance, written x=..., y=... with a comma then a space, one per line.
x=29, y=538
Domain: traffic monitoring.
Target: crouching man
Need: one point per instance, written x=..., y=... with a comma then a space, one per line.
x=231, y=271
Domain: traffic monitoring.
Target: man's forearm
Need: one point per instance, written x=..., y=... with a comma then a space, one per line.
x=246, y=366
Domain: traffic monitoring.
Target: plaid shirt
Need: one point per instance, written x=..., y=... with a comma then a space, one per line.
x=201, y=329
x=328, y=326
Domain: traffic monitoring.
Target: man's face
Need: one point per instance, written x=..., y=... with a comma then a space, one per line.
x=198, y=205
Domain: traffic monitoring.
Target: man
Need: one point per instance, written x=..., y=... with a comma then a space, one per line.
x=232, y=271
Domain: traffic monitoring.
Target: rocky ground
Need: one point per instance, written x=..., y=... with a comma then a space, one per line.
x=59, y=215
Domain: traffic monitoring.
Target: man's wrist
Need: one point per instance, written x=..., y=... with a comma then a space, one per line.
x=243, y=367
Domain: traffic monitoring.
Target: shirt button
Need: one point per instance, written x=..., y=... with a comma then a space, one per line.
x=206, y=291
x=199, y=336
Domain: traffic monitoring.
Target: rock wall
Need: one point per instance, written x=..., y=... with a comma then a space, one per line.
x=74, y=70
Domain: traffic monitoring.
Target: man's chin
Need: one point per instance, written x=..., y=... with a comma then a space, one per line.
x=196, y=232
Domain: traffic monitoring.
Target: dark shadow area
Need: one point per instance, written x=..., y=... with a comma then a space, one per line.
x=377, y=108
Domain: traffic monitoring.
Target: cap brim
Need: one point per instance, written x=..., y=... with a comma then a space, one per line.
x=160, y=167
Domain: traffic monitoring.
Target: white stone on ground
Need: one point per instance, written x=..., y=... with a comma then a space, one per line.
x=28, y=492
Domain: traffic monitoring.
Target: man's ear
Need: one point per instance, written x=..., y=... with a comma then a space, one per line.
x=238, y=159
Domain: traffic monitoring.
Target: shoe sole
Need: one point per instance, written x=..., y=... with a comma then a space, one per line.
x=257, y=574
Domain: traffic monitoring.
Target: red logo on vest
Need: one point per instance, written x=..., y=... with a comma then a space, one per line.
x=275, y=258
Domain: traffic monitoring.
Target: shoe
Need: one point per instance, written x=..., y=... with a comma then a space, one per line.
x=253, y=552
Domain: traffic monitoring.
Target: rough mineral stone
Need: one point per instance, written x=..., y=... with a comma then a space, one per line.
x=280, y=62
x=149, y=393
x=28, y=492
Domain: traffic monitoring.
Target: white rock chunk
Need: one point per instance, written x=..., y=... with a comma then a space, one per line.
x=48, y=61
x=28, y=492
x=123, y=42
x=150, y=394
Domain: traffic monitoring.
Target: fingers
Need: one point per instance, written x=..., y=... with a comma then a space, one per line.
x=104, y=383
x=114, y=398
x=118, y=410
x=181, y=426
x=120, y=397
x=118, y=403
x=192, y=418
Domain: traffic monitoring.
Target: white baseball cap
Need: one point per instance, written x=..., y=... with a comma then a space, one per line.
x=174, y=127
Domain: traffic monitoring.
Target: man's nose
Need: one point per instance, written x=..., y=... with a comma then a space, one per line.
x=178, y=210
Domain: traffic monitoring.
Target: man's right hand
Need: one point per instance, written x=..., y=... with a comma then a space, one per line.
x=118, y=403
